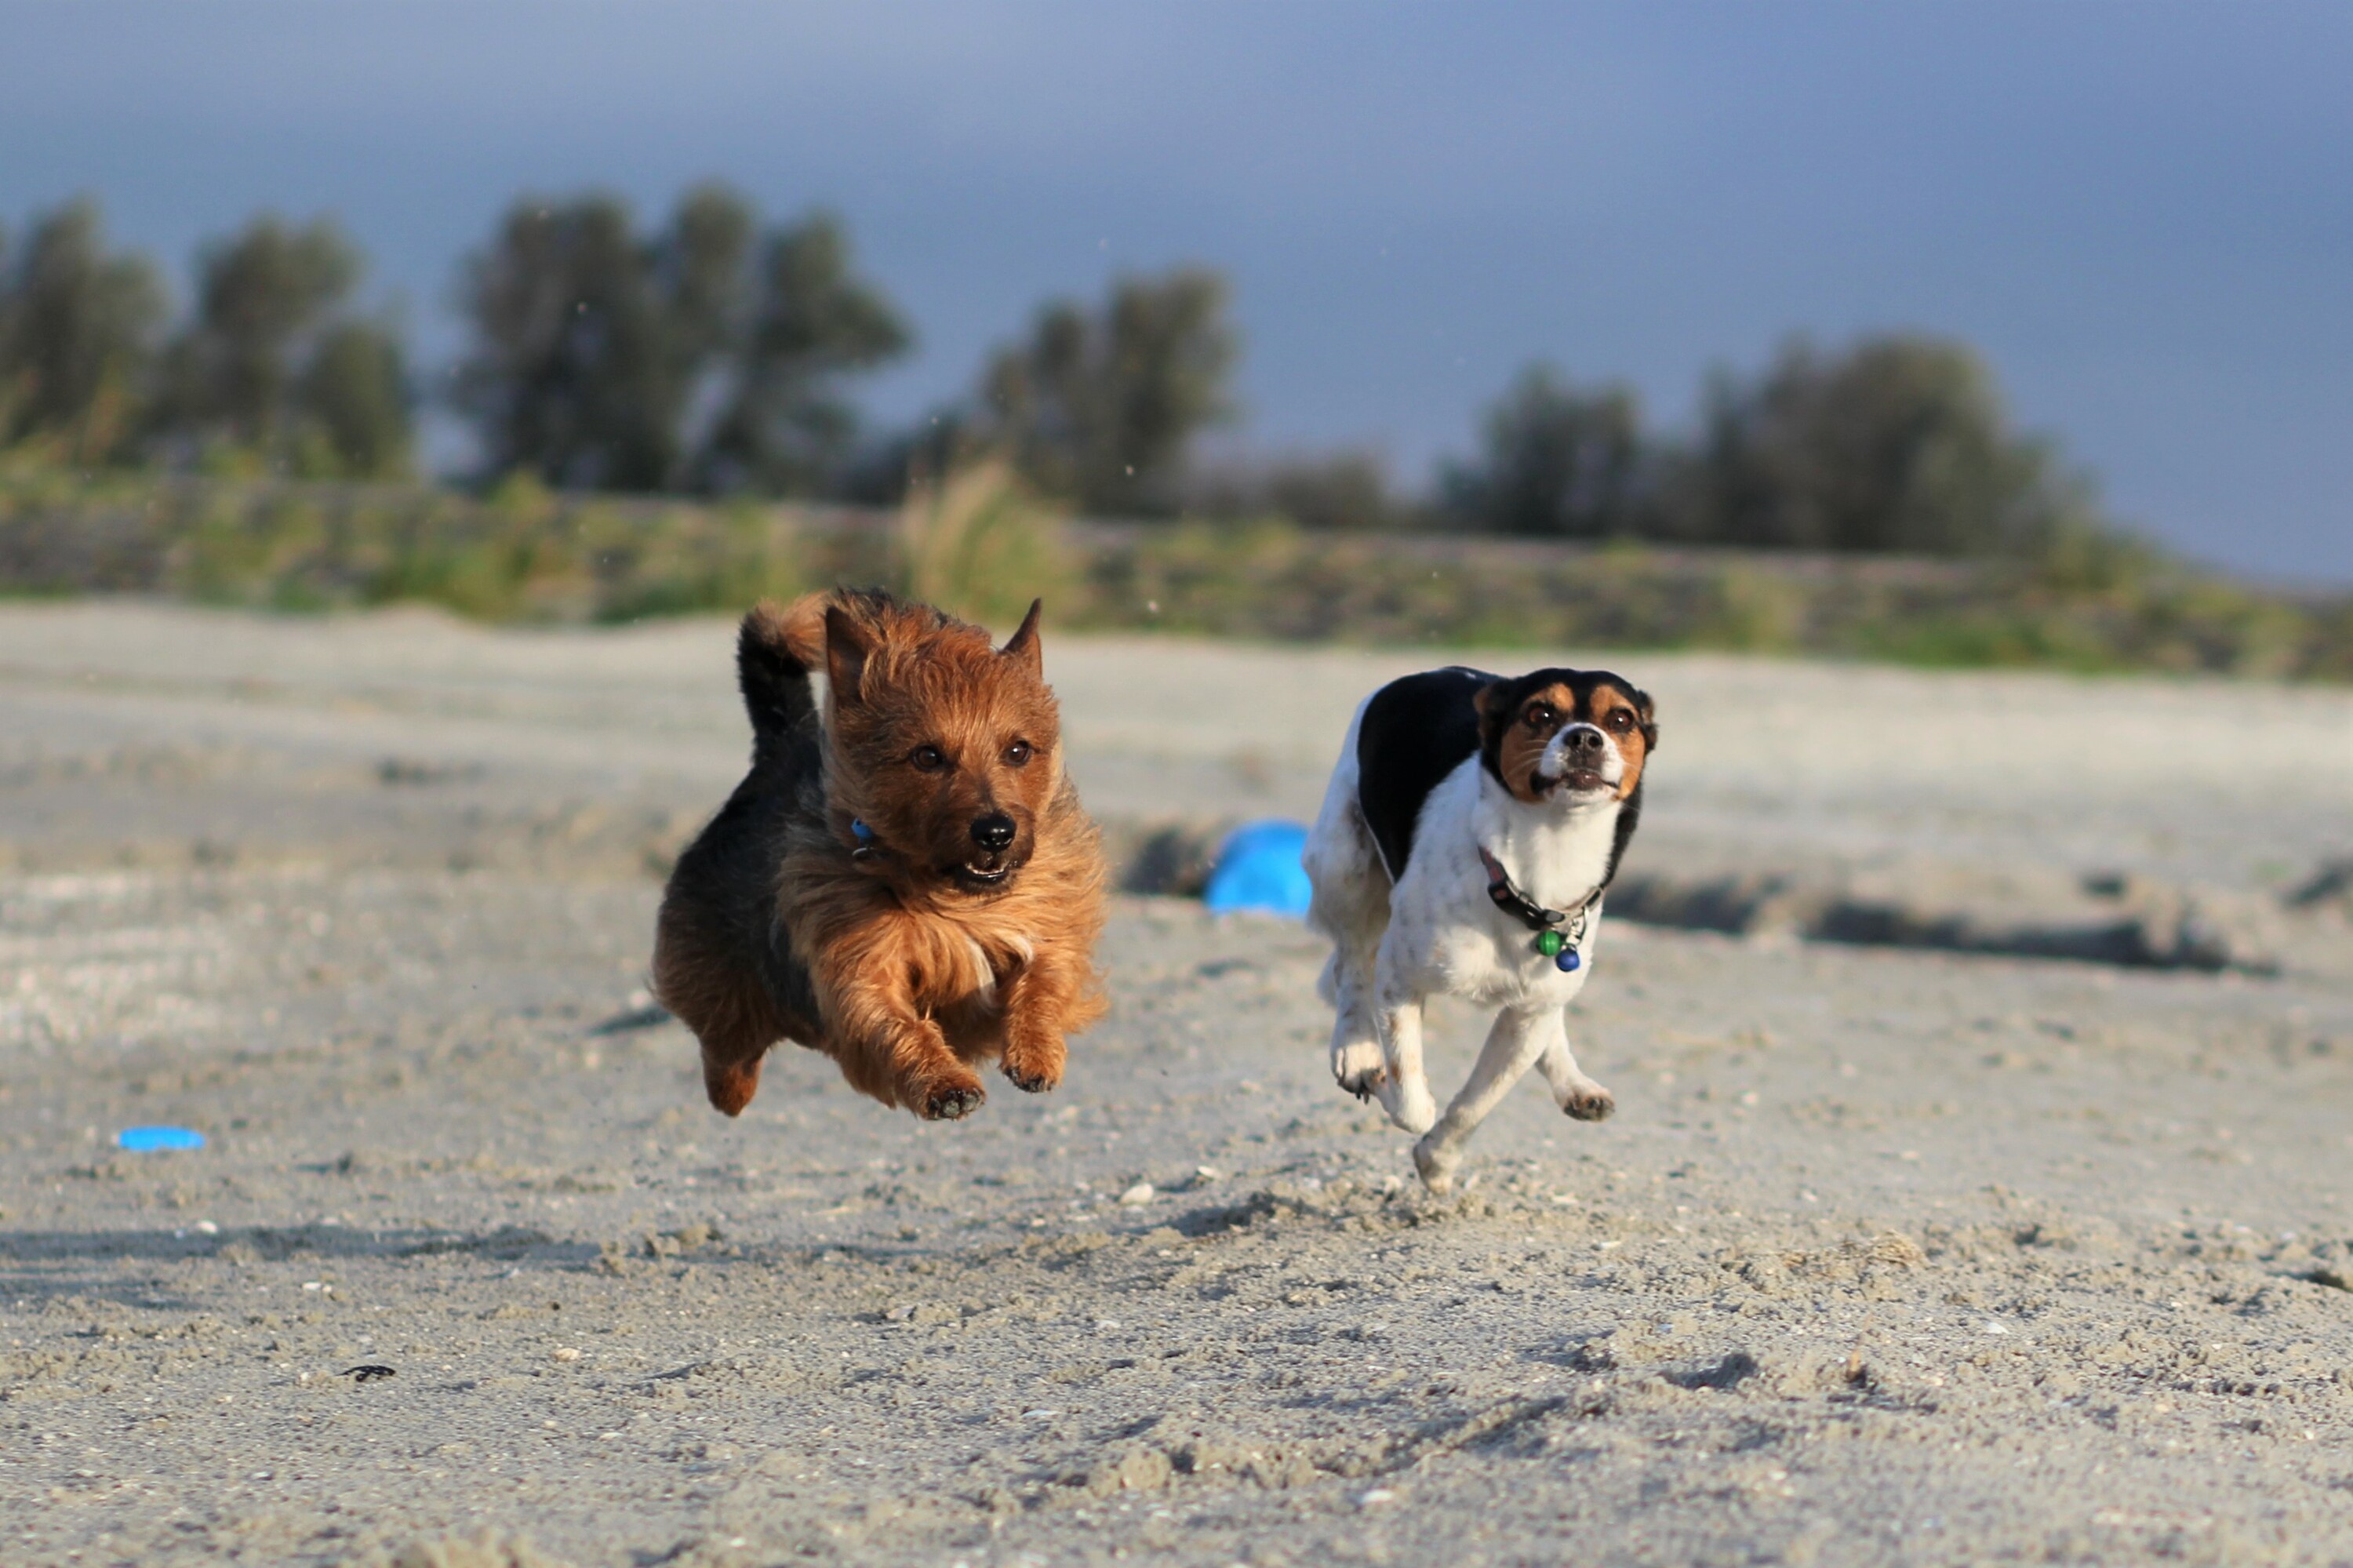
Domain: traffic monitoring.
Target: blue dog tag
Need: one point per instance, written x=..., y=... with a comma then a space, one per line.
x=1567, y=960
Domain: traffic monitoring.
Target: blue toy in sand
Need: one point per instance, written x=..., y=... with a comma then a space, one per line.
x=1258, y=868
x=147, y=1140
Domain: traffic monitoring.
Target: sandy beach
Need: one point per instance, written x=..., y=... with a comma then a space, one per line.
x=1894, y=1252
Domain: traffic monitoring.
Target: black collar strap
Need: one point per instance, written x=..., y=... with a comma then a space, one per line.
x=1560, y=947
x=1512, y=901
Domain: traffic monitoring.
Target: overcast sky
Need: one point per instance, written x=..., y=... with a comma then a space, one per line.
x=2143, y=214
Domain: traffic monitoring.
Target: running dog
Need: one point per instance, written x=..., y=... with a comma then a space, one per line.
x=906, y=880
x=1471, y=828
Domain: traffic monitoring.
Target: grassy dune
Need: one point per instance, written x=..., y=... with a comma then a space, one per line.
x=523, y=553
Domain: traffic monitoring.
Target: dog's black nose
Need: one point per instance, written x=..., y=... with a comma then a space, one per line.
x=994, y=832
x=1585, y=741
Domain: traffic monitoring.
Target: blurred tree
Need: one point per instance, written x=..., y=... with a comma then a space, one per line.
x=1558, y=461
x=77, y=338
x=1338, y=490
x=573, y=376
x=1343, y=491
x=1899, y=444
x=698, y=266
x=694, y=357
x=785, y=426
x=274, y=363
x=261, y=296
x=880, y=472
x=354, y=400
x=1102, y=406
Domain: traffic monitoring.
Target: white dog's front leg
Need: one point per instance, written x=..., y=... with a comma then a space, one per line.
x=1405, y=1093
x=1575, y=1092
x=1519, y=1037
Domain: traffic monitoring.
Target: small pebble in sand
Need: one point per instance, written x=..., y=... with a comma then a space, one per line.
x=1136, y=1197
x=567, y=1353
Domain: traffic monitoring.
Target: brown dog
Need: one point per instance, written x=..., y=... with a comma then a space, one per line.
x=905, y=881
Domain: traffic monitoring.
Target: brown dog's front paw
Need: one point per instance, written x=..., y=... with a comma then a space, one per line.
x=1034, y=1068
x=1030, y=1081
x=953, y=1102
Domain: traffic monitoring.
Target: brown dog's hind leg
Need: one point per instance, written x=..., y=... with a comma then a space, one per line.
x=731, y=1080
x=733, y=1049
x=728, y=1009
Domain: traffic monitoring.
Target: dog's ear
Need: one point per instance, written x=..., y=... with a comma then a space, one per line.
x=1023, y=646
x=1486, y=702
x=847, y=650
x=1650, y=713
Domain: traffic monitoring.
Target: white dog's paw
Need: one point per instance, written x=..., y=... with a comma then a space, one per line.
x=1588, y=1102
x=1358, y=1068
x=1436, y=1165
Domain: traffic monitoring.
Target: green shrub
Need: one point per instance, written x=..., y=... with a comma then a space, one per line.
x=980, y=544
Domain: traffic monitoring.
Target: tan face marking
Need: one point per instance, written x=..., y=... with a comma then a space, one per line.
x=1621, y=721
x=1539, y=717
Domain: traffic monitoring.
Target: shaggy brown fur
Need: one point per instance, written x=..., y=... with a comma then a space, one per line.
x=906, y=882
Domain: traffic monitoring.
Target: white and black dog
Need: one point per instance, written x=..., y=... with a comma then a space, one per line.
x=1472, y=825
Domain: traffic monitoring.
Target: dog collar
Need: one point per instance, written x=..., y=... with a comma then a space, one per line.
x=1558, y=946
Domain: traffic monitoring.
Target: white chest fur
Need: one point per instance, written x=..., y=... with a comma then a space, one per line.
x=1444, y=930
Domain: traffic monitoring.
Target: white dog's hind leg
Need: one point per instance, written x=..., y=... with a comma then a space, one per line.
x=1519, y=1037
x=1575, y=1092
x=1350, y=906
x=1352, y=909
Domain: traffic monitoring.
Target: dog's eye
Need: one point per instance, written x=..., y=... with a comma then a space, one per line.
x=928, y=758
x=1017, y=755
x=1541, y=716
x=1621, y=719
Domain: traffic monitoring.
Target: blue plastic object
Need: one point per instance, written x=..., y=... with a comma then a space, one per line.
x=142, y=1139
x=1258, y=868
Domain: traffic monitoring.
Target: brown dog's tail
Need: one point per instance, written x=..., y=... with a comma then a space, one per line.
x=775, y=654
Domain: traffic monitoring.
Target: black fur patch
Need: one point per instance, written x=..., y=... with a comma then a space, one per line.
x=1415, y=732
x=730, y=863
x=775, y=687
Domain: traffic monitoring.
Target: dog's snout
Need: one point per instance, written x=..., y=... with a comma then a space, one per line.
x=1585, y=741
x=994, y=832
